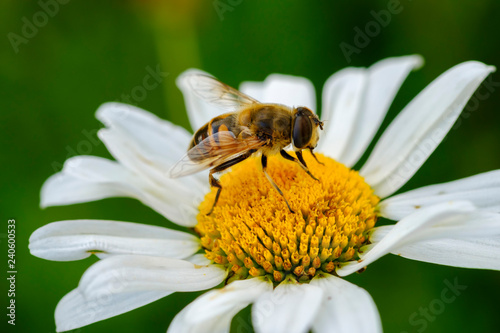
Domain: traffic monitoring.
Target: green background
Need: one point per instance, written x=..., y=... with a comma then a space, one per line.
x=91, y=52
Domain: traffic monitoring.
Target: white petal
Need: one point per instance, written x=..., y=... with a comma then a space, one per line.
x=75, y=310
x=420, y=127
x=131, y=155
x=107, y=179
x=199, y=259
x=78, y=239
x=253, y=89
x=483, y=190
x=178, y=199
x=355, y=102
x=289, y=308
x=151, y=168
x=89, y=178
x=199, y=111
x=419, y=226
x=345, y=308
x=122, y=283
x=342, y=101
x=155, y=144
x=217, y=324
x=133, y=273
x=160, y=140
x=480, y=253
x=282, y=89
x=214, y=310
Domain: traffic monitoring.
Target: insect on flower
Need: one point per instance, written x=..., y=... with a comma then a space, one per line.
x=268, y=256
x=249, y=128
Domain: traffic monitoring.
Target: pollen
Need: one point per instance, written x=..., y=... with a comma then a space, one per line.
x=253, y=233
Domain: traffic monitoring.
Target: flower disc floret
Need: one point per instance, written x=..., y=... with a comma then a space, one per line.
x=253, y=233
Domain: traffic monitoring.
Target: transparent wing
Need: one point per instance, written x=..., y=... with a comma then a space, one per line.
x=217, y=93
x=213, y=151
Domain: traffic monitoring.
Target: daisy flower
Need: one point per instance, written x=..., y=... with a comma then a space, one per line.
x=289, y=266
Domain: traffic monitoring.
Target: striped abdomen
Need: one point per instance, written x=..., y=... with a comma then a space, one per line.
x=222, y=123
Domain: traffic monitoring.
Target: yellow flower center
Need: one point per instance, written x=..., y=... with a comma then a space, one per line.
x=252, y=232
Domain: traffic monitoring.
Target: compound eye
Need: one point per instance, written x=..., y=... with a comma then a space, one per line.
x=302, y=131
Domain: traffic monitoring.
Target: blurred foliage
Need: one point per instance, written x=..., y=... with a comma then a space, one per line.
x=91, y=52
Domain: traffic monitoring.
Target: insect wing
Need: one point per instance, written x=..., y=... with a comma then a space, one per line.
x=213, y=151
x=217, y=93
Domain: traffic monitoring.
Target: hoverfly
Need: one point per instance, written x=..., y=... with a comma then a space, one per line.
x=250, y=128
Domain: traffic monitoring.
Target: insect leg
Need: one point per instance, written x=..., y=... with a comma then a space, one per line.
x=300, y=161
x=216, y=183
x=264, y=168
x=310, y=149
